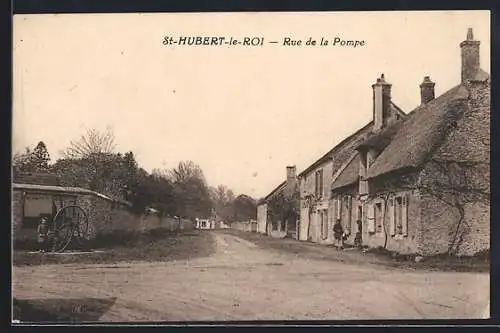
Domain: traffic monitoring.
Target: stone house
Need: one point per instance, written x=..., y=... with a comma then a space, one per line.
x=274, y=225
x=420, y=185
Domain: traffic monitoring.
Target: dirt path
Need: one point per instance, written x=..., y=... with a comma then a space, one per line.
x=243, y=282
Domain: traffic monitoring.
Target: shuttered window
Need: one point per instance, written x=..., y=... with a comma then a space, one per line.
x=371, y=217
x=379, y=206
x=404, y=216
x=348, y=214
x=392, y=217
x=339, y=208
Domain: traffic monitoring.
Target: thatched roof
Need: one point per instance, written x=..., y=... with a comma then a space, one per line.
x=419, y=134
x=343, y=150
x=380, y=140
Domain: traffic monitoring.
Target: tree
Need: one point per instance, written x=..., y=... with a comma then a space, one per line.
x=36, y=160
x=40, y=157
x=222, y=201
x=97, y=150
x=284, y=208
x=91, y=144
x=245, y=208
x=22, y=161
x=191, y=193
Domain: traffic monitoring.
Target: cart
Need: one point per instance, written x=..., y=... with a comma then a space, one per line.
x=69, y=229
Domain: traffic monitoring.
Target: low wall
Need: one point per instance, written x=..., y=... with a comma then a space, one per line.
x=248, y=226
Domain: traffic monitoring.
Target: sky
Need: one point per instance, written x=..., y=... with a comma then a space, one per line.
x=242, y=113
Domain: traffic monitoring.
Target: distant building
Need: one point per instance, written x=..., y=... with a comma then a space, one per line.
x=205, y=224
x=274, y=225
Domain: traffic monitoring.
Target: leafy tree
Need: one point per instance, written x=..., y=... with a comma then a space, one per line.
x=22, y=161
x=222, y=200
x=284, y=208
x=245, y=208
x=191, y=193
x=36, y=160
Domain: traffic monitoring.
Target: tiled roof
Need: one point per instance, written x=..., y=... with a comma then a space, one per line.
x=64, y=190
x=349, y=175
x=276, y=190
x=40, y=178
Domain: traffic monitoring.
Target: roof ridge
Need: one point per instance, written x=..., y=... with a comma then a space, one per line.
x=337, y=146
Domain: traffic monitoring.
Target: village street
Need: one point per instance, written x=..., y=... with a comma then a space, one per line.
x=244, y=282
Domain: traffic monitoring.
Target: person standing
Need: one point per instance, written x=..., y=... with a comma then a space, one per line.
x=43, y=230
x=338, y=233
x=358, y=239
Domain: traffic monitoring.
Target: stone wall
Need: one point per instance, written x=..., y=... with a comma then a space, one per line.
x=248, y=226
x=467, y=144
x=105, y=216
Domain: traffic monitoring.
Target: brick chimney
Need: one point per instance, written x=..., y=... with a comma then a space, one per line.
x=470, y=57
x=381, y=102
x=291, y=171
x=291, y=180
x=426, y=90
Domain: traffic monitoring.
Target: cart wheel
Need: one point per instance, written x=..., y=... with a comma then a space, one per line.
x=70, y=223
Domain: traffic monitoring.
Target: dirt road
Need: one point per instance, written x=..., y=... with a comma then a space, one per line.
x=243, y=282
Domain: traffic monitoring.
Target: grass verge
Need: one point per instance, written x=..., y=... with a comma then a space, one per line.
x=156, y=245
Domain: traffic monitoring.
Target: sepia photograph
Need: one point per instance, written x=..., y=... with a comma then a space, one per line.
x=250, y=167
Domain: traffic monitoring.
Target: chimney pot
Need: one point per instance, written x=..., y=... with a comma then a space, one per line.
x=291, y=171
x=470, y=57
x=470, y=35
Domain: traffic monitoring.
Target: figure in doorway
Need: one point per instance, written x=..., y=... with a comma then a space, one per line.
x=358, y=239
x=338, y=234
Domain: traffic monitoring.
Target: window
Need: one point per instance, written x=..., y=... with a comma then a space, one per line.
x=398, y=210
x=347, y=218
x=398, y=215
x=319, y=183
x=371, y=218
x=35, y=205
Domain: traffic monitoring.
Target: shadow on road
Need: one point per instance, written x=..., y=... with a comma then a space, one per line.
x=61, y=310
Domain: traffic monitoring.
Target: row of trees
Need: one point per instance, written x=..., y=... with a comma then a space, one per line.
x=92, y=162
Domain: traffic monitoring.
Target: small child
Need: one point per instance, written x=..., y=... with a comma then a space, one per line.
x=43, y=230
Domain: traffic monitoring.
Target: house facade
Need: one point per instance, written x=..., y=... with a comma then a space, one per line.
x=420, y=184
x=320, y=206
